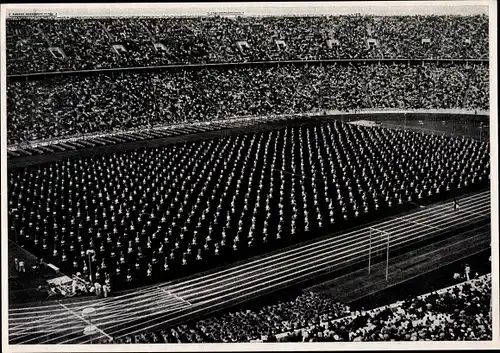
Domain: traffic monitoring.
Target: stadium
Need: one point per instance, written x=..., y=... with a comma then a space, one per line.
x=227, y=177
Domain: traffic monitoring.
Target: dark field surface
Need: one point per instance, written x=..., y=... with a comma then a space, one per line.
x=418, y=285
x=468, y=128
x=24, y=287
x=472, y=126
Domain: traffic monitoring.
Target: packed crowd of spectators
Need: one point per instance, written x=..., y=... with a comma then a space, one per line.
x=94, y=43
x=459, y=313
x=69, y=105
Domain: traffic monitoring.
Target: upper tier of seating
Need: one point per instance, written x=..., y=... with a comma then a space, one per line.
x=61, y=44
x=63, y=106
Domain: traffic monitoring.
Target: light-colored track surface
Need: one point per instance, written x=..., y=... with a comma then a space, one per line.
x=148, y=307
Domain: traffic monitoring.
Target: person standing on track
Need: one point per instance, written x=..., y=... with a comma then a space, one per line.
x=22, y=268
x=456, y=205
x=105, y=290
x=73, y=286
x=98, y=289
x=467, y=272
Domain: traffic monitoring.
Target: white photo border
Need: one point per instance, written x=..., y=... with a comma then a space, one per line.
x=495, y=343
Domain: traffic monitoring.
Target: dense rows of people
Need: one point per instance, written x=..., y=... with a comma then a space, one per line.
x=458, y=313
x=93, y=43
x=65, y=106
x=252, y=325
x=155, y=214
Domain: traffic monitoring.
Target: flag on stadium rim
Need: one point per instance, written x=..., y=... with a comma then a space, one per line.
x=159, y=47
x=280, y=43
x=119, y=48
x=57, y=52
x=331, y=43
x=242, y=44
x=371, y=41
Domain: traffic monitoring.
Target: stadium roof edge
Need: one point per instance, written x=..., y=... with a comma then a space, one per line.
x=63, y=17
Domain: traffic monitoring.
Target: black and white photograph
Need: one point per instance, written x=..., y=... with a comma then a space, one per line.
x=292, y=174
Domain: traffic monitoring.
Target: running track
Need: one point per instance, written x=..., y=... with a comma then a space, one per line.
x=149, y=307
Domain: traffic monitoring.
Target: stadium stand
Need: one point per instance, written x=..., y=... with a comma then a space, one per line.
x=72, y=105
x=61, y=44
x=459, y=313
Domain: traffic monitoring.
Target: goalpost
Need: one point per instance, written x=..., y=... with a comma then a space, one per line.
x=382, y=233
